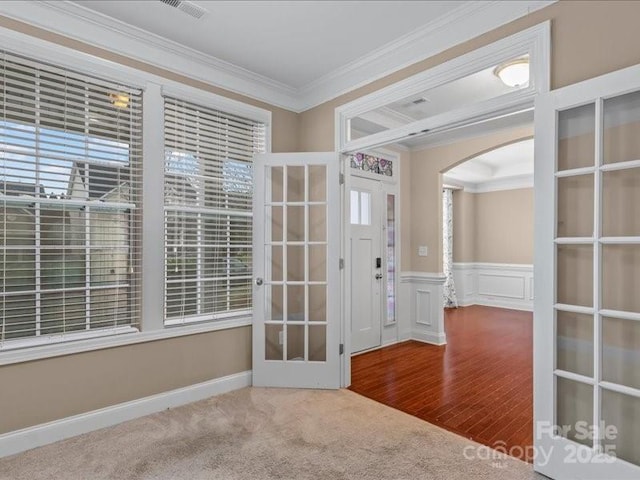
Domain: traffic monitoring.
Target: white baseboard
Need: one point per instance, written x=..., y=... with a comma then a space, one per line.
x=431, y=338
x=494, y=285
x=43, y=434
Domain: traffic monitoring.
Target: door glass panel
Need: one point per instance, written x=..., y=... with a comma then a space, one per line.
x=317, y=343
x=575, y=275
x=365, y=208
x=621, y=351
x=295, y=303
x=317, y=183
x=295, y=223
x=621, y=277
x=295, y=184
x=391, y=258
x=621, y=138
x=355, y=207
x=317, y=263
x=295, y=342
x=295, y=263
x=574, y=349
x=622, y=411
x=274, y=219
x=274, y=306
x=273, y=342
x=317, y=303
x=274, y=256
x=576, y=137
x=574, y=404
x=575, y=206
x=317, y=223
x=620, y=200
x=277, y=185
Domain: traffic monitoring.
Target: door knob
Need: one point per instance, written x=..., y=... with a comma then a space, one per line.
x=378, y=276
x=259, y=281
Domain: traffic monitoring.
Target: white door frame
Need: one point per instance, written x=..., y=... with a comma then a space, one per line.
x=535, y=40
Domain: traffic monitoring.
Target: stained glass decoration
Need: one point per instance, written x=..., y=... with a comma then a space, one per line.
x=373, y=164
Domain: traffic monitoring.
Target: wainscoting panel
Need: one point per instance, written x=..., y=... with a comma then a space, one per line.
x=423, y=320
x=494, y=284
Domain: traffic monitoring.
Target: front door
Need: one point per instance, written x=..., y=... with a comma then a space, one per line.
x=297, y=284
x=587, y=272
x=367, y=272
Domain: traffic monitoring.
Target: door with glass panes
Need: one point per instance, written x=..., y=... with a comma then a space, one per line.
x=297, y=284
x=587, y=272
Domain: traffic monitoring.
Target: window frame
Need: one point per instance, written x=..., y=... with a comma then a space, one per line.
x=154, y=88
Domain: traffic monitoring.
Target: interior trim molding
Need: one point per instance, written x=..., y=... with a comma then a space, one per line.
x=43, y=434
x=502, y=285
x=508, y=183
x=82, y=24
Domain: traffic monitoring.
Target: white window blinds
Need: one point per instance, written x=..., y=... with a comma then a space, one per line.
x=70, y=152
x=208, y=193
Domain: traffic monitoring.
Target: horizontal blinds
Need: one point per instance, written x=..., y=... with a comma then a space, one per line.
x=70, y=185
x=208, y=190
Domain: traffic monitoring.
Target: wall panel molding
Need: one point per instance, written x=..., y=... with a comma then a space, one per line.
x=494, y=284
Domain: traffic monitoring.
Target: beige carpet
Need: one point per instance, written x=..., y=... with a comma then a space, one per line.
x=266, y=434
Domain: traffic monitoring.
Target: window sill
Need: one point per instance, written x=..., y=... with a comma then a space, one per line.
x=32, y=350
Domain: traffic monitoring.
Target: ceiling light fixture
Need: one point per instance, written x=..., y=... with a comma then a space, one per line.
x=514, y=73
x=119, y=100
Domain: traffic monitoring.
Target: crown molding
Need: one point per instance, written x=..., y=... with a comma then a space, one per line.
x=471, y=19
x=66, y=18
x=507, y=183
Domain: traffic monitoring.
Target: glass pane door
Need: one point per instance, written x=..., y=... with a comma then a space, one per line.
x=595, y=390
x=297, y=296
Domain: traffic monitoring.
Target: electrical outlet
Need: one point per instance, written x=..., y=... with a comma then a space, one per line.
x=423, y=251
x=280, y=337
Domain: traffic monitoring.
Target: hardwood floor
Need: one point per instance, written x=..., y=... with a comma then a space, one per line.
x=479, y=385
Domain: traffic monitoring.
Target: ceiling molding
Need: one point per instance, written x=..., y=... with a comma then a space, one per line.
x=508, y=183
x=471, y=19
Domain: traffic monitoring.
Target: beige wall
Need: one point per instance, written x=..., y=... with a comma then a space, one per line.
x=425, y=189
x=464, y=226
x=46, y=390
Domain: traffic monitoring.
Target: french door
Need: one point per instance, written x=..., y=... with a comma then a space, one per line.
x=297, y=284
x=587, y=272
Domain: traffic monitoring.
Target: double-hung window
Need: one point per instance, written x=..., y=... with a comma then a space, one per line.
x=208, y=192
x=70, y=163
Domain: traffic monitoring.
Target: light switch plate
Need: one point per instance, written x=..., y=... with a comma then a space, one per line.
x=422, y=251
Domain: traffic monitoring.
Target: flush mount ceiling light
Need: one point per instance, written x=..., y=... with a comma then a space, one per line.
x=514, y=73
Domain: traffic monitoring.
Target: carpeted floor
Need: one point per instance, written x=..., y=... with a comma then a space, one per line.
x=266, y=434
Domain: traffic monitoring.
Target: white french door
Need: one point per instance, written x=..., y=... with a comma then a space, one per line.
x=297, y=285
x=587, y=271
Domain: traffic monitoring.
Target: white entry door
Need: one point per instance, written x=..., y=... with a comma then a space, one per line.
x=367, y=265
x=297, y=284
x=587, y=272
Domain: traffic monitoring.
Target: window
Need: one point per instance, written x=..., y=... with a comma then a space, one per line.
x=360, y=208
x=208, y=195
x=70, y=153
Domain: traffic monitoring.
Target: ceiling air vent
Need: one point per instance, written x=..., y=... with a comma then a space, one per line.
x=187, y=7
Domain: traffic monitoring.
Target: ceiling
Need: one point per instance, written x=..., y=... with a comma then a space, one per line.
x=510, y=166
x=293, y=54
x=290, y=42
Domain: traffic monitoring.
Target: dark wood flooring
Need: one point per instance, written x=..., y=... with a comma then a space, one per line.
x=479, y=385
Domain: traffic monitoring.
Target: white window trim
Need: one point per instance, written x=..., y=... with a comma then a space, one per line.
x=154, y=87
